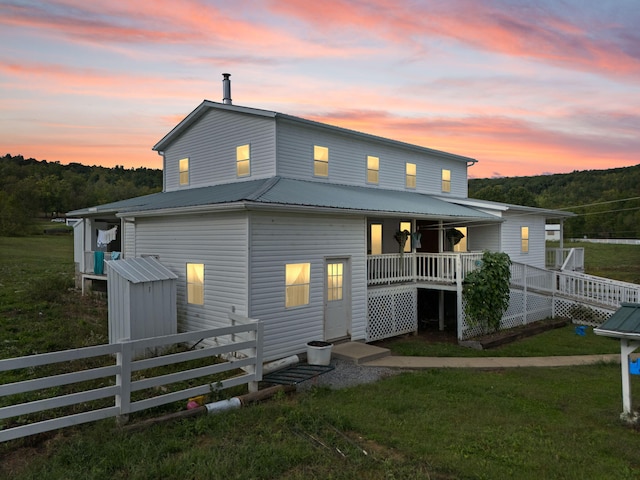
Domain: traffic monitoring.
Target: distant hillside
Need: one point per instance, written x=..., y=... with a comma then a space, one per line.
x=30, y=188
x=606, y=201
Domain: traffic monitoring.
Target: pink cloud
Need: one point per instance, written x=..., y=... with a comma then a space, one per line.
x=531, y=31
x=147, y=22
x=513, y=147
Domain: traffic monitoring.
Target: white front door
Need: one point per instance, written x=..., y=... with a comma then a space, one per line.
x=337, y=299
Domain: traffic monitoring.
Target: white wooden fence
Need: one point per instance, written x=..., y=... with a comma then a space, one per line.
x=118, y=381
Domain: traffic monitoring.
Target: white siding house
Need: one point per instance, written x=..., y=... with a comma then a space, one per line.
x=295, y=223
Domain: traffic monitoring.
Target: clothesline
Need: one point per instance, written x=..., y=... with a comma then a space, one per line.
x=107, y=236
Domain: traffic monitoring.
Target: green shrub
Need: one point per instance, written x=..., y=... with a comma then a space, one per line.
x=486, y=290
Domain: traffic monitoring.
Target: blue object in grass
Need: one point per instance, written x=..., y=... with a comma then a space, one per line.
x=634, y=367
x=581, y=330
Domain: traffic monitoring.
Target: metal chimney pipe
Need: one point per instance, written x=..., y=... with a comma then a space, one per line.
x=226, y=89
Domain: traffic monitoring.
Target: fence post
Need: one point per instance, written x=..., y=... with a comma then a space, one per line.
x=459, y=305
x=123, y=381
x=524, y=295
x=257, y=352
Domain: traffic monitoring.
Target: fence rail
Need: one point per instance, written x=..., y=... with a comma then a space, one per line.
x=118, y=381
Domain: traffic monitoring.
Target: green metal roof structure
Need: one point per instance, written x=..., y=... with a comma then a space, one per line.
x=624, y=323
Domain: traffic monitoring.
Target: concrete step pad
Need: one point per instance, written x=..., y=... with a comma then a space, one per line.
x=358, y=352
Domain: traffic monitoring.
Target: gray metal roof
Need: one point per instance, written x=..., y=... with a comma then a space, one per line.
x=277, y=191
x=366, y=199
x=190, y=197
x=139, y=270
x=624, y=323
x=206, y=105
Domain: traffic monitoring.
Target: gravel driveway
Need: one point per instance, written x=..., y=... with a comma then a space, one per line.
x=348, y=374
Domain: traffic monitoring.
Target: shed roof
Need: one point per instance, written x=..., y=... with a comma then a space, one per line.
x=277, y=191
x=139, y=270
x=624, y=323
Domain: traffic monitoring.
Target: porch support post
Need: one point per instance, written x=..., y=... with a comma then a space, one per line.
x=441, y=310
x=460, y=313
x=561, y=234
x=440, y=237
x=626, y=348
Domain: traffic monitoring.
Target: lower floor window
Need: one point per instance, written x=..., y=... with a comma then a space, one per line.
x=334, y=281
x=524, y=237
x=297, y=279
x=195, y=283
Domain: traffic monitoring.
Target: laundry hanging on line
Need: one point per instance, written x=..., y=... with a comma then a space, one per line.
x=106, y=236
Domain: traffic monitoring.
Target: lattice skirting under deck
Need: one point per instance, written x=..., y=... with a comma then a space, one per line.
x=523, y=309
x=582, y=314
x=391, y=311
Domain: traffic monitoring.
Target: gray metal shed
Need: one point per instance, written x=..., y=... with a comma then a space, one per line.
x=142, y=299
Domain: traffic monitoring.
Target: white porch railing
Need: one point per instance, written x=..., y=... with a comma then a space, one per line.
x=116, y=381
x=603, y=291
x=578, y=286
x=565, y=258
x=425, y=267
x=528, y=277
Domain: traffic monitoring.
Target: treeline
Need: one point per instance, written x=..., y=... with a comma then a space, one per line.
x=605, y=201
x=30, y=189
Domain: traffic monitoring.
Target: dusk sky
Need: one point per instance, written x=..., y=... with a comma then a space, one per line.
x=525, y=87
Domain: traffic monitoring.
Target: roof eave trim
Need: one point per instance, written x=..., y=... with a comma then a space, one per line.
x=614, y=334
x=208, y=208
x=263, y=206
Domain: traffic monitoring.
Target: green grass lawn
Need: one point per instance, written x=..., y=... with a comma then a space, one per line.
x=525, y=423
x=559, y=423
x=560, y=341
x=618, y=262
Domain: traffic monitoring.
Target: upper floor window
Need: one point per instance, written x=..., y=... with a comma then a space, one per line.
x=195, y=283
x=524, y=238
x=297, y=280
x=446, y=180
x=320, y=161
x=411, y=175
x=373, y=169
x=184, y=171
x=243, y=160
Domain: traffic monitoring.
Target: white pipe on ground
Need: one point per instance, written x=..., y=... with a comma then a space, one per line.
x=278, y=364
x=223, y=405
